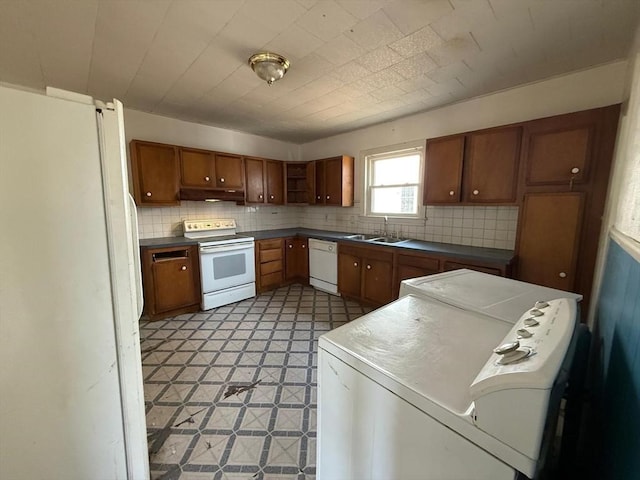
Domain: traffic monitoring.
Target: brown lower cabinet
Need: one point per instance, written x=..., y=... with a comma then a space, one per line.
x=269, y=264
x=171, y=280
x=366, y=273
x=411, y=265
x=296, y=259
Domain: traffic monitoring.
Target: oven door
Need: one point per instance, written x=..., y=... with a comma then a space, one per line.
x=225, y=266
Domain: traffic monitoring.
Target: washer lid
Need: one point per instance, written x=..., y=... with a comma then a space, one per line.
x=421, y=344
x=499, y=297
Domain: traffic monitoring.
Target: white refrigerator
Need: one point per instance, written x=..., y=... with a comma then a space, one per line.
x=71, y=391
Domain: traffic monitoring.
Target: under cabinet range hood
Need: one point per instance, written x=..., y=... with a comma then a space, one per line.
x=212, y=194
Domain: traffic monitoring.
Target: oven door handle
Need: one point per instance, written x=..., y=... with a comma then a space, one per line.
x=226, y=248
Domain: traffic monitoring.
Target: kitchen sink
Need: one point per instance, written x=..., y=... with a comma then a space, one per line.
x=367, y=237
x=362, y=236
x=388, y=240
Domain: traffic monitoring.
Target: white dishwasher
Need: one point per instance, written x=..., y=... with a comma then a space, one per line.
x=323, y=265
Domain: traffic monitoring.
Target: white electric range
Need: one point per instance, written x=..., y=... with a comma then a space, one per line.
x=423, y=389
x=227, y=261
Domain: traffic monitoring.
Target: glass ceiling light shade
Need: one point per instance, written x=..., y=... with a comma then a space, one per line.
x=269, y=66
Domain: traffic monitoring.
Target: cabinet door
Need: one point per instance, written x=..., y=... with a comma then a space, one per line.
x=333, y=181
x=229, y=173
x=349, y=271
x=254, y=174
x=292, y=258
x=491, y=166
x=196, y=168
x=320, y=182
x=443, y=170
x=377, y=286
x=275, y=182
x=174, y=281
x=557, y=156
x=548, y=239
x=155, y=173
x=297, y=258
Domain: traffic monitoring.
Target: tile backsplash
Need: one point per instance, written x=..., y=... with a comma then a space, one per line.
x=493, y=227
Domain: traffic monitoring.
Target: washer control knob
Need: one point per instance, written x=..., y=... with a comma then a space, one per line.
x=541, y=304
x=531, y=322
x=535, y=312
x=507, y=348
x=524, y=333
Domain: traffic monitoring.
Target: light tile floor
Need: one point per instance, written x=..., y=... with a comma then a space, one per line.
x=267, y=432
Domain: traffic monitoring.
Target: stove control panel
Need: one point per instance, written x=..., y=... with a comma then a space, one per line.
x=209, y=228
x=202, y=225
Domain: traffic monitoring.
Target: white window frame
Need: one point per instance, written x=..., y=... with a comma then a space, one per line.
x=391, y=151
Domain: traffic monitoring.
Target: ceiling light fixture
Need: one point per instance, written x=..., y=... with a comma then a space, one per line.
x=269, y=66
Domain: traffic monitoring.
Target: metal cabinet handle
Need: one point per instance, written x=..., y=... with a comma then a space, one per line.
x=355, y=264
x=318, y=197
x=328, y=197
x=290, y=245
x=221, y=180
x=368, y=267
x=575, y=170
x=562, y=275
x=304, y=246
x=271, y=197
x=206, y=179
x=183, y=268
x=148, y=194
x=452, y=193
x=260, y=196
x=476, y=192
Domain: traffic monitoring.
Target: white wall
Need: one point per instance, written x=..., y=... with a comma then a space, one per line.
x=622, y=212
x=155, y=128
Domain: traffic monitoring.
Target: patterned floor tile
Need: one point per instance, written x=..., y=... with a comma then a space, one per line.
x=201, y=422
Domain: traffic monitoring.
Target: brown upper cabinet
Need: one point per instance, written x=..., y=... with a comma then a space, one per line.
x=154, y=167
x=474, y=168
x=264, y=179
x=210, y=170
x=334, y=181
x=443, y=170
x=558, y=153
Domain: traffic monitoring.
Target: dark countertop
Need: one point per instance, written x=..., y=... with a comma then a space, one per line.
x=488, y=255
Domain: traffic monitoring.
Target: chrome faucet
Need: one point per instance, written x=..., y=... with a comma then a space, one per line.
x=385, y=232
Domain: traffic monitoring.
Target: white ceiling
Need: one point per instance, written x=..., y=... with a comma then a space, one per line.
x=354, y=63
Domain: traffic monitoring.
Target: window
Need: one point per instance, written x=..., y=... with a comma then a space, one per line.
x=393, y=182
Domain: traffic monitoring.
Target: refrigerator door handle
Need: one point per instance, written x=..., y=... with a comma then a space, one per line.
x=136, y=255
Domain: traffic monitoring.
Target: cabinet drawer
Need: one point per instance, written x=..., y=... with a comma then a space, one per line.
x=270, y=267
x=424, y=263
x=270, y=279
x=276, y=243
x=270, y=255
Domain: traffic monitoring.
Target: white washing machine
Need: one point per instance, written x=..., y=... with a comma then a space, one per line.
x=415, y=390
x=499, y=297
